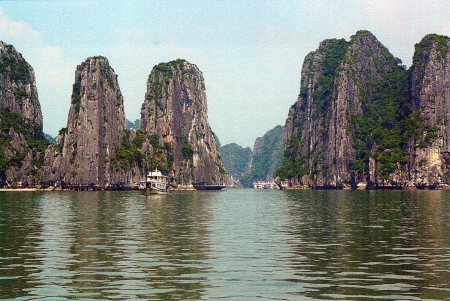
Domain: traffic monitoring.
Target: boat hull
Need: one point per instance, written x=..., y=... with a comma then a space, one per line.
x=154, y=191
x=208, y=187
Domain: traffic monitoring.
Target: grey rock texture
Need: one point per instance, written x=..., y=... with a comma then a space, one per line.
x=363, y=120
x=334, y=80
x=18, y=91
x=174, y=121
x=22, y=141
x=430, y=91
x=85, y=152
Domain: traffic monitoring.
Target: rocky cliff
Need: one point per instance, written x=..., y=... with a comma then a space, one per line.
x=353, y=121
x=430, y=93
x=90, y=150
x=174, y=121
x=22, y=141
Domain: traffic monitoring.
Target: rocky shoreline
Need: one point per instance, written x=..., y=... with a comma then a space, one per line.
x=89, y=188
x=301, y=187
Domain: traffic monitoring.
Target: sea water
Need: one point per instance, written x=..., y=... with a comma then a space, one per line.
x=237, y=244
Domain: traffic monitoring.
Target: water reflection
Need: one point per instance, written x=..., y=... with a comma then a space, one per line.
x=233, y=245
x=103, y=245
x=388, y=245
x=19, y=235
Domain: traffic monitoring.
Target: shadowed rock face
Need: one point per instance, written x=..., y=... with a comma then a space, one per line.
x=430, y=91
x=84, y=151
x=22, y=141
x=174, y=121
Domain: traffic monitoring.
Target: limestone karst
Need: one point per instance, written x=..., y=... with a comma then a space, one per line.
x=174, y=121
x=363, y=120
x=22, y=142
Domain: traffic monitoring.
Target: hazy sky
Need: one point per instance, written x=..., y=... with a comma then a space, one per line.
x=250, y=52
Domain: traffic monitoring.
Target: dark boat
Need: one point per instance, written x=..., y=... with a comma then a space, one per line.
x=206, y=186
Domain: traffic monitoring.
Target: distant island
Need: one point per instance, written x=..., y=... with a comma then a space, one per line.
x=362, y=120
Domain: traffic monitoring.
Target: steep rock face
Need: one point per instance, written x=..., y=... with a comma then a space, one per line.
x=330, y=129
x=85, y=152
x=18, y=91
x=21, y=137
x=174, y=121
x=430, y=92
x=267, y=156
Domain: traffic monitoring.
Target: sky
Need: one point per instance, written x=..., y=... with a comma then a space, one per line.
x=250, y=52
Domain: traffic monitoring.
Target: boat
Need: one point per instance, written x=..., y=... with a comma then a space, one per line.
x=206, y=186
x=155, y=183
x=265, y=185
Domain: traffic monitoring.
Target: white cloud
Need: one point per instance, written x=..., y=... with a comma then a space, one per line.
x=10, y=29
x=403, y=23
x=54, y=73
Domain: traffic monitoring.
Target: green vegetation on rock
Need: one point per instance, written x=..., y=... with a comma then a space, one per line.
x=380, y=132
x=14, y=66
x=426, y=43
x=364, y=93
x=34, y=140
x=333, y=51
x=187, y=151
x=267, y=156
x=76, y=95
x=236, y=159
x=129, y=153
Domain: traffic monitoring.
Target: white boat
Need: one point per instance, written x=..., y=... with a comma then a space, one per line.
x=265, y=185
x=155, y=183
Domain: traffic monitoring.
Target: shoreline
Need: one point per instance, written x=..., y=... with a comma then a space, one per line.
x=59, y=189
x=191, y=188
x=406, y=188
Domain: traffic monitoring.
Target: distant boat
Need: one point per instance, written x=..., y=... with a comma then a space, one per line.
x=206, y=186
x=265, y=185
x=155, y=183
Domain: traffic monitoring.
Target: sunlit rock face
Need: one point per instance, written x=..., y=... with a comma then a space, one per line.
x=430, y=91
x=338, y=85
x=174, y=120
x=84, y=152
x=363, y=120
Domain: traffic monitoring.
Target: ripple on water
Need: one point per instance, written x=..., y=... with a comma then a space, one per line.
x=233, y=245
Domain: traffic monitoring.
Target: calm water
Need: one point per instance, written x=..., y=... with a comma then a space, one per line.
x=229, y=245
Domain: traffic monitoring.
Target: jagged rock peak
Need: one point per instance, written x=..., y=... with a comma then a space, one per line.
x=92, y=60
x=431, y=41
x=174, y=119
x=85, y=151
x=363, y=34
x=18, y=91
